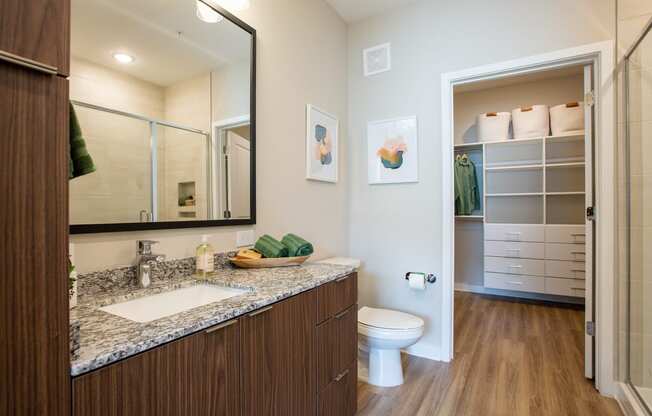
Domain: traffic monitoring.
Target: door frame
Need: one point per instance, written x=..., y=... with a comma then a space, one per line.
x=217, y=142
x=601, y=55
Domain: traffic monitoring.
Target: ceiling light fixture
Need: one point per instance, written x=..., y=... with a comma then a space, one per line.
x=123, y=58
x=205, y=13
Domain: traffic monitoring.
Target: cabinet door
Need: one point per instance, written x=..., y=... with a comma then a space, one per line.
x=335, y=296
x=340, y=398
x=34, y=327
x=38, y=31
x=278, y=357
x=198, y=375
x=337, y=346
x=223, y=370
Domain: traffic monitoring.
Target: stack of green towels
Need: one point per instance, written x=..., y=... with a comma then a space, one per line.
x=291, y=245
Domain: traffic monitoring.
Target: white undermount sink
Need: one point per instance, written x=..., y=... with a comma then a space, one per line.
x=151, y=308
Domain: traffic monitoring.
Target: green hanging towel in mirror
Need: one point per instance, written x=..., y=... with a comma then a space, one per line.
x=80, y=162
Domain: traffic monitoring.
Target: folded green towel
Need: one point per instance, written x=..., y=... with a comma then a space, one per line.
x=270, y=247
x=79, y=161
x=297, y=246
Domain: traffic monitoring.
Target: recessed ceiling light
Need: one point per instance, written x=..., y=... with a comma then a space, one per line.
x=205, y=13
x=123, y=58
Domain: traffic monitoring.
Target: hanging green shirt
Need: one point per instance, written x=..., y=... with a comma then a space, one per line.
x=467, y=192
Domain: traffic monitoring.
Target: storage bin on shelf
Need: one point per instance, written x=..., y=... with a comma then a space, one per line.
x=567, y=118
x=493, y=126
x=531, y=121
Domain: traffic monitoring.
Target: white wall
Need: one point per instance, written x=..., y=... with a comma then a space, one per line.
x=397, y=228
x=302, y=58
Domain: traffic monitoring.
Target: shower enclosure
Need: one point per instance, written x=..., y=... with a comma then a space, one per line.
x=638, y=182
x=148, y=170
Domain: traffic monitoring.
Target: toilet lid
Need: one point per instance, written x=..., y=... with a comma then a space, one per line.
x=388, y=319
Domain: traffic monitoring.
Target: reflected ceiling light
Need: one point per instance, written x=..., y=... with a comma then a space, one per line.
x=123, y=58
x=206, y=14
x=234, y=5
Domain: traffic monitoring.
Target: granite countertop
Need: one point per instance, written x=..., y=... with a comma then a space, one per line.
x=105, y=338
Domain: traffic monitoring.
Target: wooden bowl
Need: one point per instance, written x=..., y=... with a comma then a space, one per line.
x=268, y=263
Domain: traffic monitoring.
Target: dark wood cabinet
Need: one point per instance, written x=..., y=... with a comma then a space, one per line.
x=337, y=339
x=34, y=351
x=197, y=375
x=277, y=361
x=278, y=357
x=36, y=32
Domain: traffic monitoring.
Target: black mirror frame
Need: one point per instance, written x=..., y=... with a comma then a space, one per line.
x=169, y=225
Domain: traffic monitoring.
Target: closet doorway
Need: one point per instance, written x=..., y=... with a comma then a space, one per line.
x=520, y=140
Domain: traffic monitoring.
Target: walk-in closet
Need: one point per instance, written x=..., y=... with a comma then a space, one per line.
x=523, y=184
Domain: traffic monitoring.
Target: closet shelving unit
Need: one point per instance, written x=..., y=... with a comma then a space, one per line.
x=533, y=201
x=548, y=170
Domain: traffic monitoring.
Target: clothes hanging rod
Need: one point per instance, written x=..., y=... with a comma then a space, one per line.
x=139, y=117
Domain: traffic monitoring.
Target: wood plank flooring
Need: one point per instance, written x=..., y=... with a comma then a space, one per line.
x=511, y=358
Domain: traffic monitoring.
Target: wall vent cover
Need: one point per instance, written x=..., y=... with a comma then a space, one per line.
x=377, y=59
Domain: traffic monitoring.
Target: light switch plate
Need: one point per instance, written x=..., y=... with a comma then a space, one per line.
x=244, y=238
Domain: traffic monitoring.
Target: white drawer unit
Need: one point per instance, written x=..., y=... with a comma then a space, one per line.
x=570, y=252
x=514, y=232
x=514, y=282
x=564, y=287
x=514, y=249
x=570, y=234
x=514, y=266
x=565, y=269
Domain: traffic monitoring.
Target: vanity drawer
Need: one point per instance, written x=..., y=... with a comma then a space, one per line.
x=513, y=249
x=514, y=282
x=514, y=232
x=571, y=234
x=571, y=252
x=514, y=266
x=566, y=269
x=565, y=287
x=333, y=297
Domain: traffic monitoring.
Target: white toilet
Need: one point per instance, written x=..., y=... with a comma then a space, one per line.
x=384, y=333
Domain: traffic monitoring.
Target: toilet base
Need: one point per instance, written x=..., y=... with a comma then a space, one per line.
x=385, y=369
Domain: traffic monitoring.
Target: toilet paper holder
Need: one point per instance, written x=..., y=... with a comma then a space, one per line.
x=430, y=278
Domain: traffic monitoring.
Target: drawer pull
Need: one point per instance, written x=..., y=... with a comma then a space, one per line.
x=515, y=283
x=28, y=63
x=341, y=314
x=256, y=313
x=578, y=271
x=516, y=266
x=341, y=279
x=578, y=252
x=578, y=235
x=341, y=376
x=224, y=325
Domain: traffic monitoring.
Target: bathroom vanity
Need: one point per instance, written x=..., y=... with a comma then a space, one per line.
x=286, y=346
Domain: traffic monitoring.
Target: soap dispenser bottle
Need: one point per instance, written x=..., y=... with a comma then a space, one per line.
x=205, y=260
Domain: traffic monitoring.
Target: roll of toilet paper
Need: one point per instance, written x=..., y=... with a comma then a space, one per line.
x=417, y=281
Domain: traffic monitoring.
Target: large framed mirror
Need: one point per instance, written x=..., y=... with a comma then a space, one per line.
x=164, y=95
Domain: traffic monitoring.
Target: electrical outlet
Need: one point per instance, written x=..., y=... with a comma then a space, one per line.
x=244, y=238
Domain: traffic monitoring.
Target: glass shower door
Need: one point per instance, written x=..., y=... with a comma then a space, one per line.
x=639, y=218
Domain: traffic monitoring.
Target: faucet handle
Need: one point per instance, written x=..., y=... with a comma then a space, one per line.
x=145, y=246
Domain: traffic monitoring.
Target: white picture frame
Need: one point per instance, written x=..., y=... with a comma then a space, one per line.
x=393, y=151
x=322, y=145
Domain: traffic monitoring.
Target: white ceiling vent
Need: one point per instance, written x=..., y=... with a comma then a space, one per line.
x=377, y=59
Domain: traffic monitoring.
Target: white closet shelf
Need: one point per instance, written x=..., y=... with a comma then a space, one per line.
x=469, y=217
x=514, y=167
x=563, y=137
x=566, y=193
x=516, y=194
x=565, y=164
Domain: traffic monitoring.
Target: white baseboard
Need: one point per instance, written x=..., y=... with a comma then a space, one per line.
x=425, y=350
x=628, y=402
x=463, y=287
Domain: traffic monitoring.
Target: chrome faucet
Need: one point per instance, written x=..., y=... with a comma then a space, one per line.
x=144, y=261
